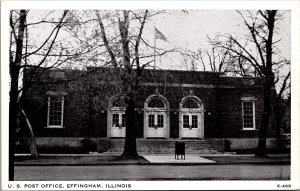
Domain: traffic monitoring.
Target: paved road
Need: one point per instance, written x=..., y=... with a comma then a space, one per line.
x=153, y=172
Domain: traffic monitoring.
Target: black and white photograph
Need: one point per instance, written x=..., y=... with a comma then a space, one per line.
x=106, y=97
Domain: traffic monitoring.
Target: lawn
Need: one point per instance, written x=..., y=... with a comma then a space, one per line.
x=84, y=160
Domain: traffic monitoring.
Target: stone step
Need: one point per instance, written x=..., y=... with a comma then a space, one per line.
x=161, y=152
x=164, y=145
x=161, y=146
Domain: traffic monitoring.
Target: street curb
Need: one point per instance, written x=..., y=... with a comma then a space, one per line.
x=107, y=154
x=156, y=164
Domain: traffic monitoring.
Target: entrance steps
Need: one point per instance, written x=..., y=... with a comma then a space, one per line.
x=161, y=146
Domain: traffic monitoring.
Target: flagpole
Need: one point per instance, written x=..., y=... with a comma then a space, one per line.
x=157, y=35
x=154, y=47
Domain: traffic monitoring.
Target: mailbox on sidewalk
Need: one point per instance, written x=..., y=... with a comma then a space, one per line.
x=179, y=149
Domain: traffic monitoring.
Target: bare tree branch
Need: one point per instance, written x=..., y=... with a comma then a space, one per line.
x=283, y=87
x=56, y=28
x=112, y=56
x=54, y=38
x=139, y=39
x=253, y=34
x=12, y=26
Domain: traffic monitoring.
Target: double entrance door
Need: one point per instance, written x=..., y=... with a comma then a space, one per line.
x=190, y=124
x=156, y=124
x=118, y=125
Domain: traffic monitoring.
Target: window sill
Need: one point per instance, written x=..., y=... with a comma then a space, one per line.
x=54, y=127
x=249, y=129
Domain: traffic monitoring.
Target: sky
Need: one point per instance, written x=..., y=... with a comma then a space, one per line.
x=189, y=29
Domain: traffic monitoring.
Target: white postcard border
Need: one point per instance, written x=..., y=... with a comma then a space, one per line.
x=292, y=5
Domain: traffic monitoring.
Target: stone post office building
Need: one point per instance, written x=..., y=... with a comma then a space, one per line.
x=216, y=112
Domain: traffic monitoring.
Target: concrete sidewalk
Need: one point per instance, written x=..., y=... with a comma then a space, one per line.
x=159, y=159
x=171, y=159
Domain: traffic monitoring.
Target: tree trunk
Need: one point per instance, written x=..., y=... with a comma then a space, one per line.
x=14, y=67
x=33, y=149
x=278, y=116
x=263, y=131
x=13, y=108
x=267, y=86
x=130, y=150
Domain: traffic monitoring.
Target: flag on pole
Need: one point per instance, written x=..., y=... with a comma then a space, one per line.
x=159, y=35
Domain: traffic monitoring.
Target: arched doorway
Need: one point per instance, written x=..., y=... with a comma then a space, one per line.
x=156, y=117
x=116, y=120
x=191, y=118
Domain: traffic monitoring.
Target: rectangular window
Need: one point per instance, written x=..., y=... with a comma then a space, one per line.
x=123, y=120
x=248, y=115
x=194, y=121
x=55, y=111
x=186, y=121
x=160, y=121
x=151, y=120
x=115, y=120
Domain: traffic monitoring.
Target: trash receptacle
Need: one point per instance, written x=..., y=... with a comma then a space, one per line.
x=179, y=149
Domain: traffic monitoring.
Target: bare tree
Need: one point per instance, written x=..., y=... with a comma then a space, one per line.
x=258, y=52
x=209, y=59
x=130, y=79
x=127, y=59
x=20, y=52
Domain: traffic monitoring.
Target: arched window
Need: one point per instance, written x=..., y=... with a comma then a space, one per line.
x=156, y=103
x=190, y=103
x=191, y=117
x=116, y=118
x=156, y=118
x=117, y=102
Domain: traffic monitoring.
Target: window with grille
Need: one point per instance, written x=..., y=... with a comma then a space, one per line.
x=115, y=120
x=194, y=121
x=160, y=121
x=151, y=120
x=248, y=115
x=55, y=111
x=186, y=121
x=118, y=103
x=190, y=103
x=156, y=103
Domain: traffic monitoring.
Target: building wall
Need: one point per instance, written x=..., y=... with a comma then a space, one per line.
x=221, y=98
x=230, y=112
